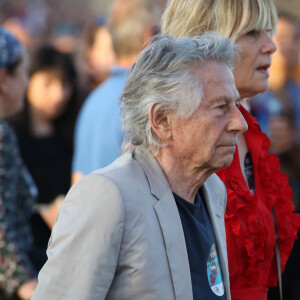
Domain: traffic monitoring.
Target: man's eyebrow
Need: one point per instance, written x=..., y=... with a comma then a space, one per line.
x=238, y=99
x=226, y=99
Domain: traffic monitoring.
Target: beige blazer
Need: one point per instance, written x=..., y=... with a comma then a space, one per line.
x=119, y=236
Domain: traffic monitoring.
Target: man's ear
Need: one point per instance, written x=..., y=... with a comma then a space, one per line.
x=160, y=122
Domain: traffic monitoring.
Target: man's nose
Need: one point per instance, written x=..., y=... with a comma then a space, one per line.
x=237, y=122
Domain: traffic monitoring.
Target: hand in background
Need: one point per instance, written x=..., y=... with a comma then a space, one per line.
x=75, y=177
x=25, y=290
x=49, y=213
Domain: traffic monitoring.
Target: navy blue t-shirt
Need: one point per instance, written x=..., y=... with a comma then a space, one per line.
x=207, y=281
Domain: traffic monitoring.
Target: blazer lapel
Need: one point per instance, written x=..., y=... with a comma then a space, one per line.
x=170, y=223
x=213, y=214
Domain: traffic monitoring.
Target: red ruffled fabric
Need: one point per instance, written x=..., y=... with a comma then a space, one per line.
x=244, y=220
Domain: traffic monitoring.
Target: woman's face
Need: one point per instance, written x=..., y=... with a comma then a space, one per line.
x=252, y=73
x=48, y=94
x=13, y=88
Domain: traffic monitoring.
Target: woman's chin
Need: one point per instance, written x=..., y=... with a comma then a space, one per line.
x=253, y=90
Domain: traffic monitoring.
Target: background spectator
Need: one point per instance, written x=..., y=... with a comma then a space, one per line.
x=96, y=56
x=17, y=190
x=45, y=134
x=98, y=135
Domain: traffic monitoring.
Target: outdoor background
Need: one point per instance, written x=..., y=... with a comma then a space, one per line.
x=48, y=19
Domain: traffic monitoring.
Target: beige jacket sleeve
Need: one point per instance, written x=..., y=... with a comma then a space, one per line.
x=84, y=247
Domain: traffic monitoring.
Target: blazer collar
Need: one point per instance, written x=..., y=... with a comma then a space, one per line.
x=170, y=223
x=155, y=175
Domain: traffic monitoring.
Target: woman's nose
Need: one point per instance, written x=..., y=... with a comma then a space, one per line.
x=269, y=45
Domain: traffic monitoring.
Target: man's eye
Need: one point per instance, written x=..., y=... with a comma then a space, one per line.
x=238, y=104
x=222, y=107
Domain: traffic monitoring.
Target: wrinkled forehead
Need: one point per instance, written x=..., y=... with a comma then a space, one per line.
x=257, y=15
x=212, y=72
x=218, y=83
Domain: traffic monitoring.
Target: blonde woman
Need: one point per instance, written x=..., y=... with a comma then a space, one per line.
x=255, y=185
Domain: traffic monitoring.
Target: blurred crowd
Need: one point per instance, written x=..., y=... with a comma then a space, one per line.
x=56, y=57
x=77, y=57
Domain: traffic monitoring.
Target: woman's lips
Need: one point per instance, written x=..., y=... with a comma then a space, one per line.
x=263, y=69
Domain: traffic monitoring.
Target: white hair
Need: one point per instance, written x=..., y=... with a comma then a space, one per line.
x=164, y=75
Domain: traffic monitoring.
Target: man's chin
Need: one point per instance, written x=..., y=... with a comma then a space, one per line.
x=226, y=162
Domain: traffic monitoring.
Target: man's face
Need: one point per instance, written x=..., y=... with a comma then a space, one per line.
x=207, y=140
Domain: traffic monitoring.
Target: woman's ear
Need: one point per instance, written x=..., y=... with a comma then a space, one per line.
x=160, y=122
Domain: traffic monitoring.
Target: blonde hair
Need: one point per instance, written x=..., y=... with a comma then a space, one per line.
x=229, y=18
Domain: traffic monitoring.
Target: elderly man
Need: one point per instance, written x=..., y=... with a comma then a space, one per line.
x=151, y=224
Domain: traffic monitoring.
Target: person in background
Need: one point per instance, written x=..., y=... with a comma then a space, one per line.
x=17, y=190
x=151, y=224
x=259, y=196
x=64, y=37
x=44, y=132
x=98, y=135
x=17, y=27
x=96, y=56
